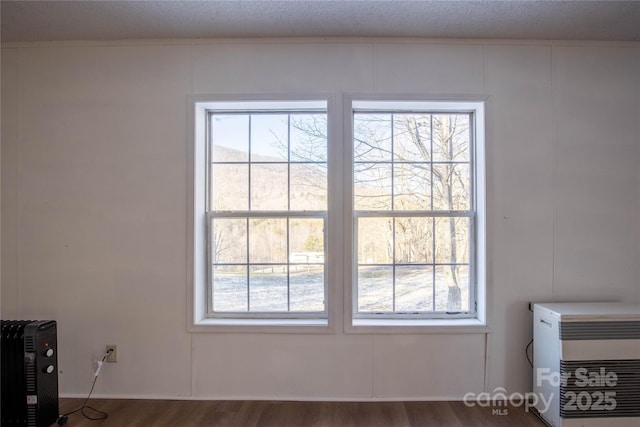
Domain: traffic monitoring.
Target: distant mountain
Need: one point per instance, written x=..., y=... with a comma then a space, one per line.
x=269, y=182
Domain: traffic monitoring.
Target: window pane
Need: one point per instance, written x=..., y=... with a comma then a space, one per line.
x=306, y=240
x=375, y=289
x=372, y=137
x=411, y=137
x=230, y=187
x=267, y=240
x=375, y=240
x=269, y=138
x=229, y=241
x=308, y=138
x=452, y=288
x=230, y=137
x=230, y=288
x=452, y=240
x=269, y=187
x=306, y=287
x=372, y=186
x=412, y=186
x=268, y=288
x=414, y=288
x=308, y=186
x=414, y=240
x=451, y=187
x=451, y=137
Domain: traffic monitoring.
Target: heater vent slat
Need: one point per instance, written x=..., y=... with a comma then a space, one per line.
x=608, y=330
x=29, y=344
x=600, y=388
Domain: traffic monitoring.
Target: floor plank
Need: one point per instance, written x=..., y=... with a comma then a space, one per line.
x=195, y=413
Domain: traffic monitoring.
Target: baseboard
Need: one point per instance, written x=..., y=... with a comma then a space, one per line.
x=265, y=398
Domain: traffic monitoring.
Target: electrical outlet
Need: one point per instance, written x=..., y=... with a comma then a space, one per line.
x=112, y=356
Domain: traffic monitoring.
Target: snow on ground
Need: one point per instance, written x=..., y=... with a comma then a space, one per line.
x=414, y=289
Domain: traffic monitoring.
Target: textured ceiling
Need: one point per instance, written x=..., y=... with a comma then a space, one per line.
x=518, y=19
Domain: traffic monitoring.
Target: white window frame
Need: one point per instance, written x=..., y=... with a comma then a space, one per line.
x=406, y=323
x=339, y=238
x=199, y=319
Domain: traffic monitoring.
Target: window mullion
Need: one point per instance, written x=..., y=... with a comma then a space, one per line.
x=433, y=263
x=418, y=214
x=249, y=163
x=288, y=210
x=248, y=269
x=288, y=267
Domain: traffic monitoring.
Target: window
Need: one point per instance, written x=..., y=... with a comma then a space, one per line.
x=414, y=208
x=266, y=212
x=259, y=220
x=289, y=214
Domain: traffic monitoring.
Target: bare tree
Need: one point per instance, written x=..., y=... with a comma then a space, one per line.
x=427, y=151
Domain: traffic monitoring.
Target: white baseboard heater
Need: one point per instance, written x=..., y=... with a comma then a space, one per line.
x=587, y=364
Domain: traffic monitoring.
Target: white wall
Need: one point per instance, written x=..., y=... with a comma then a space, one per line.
x=94, y=187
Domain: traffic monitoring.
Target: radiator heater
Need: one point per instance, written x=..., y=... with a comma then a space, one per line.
x=29, y=373
x=586, y=361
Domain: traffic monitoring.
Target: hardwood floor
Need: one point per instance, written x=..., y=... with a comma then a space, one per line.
x=147, y=413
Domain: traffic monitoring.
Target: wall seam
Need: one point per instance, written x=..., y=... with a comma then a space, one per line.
x=18, y=207
x=373, y=366
x=637, y=296
x=554, y=178
x=188, y=263
x=487, y=298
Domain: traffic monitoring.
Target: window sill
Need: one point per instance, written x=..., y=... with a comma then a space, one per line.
x=320, y=326
x=417, y=326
